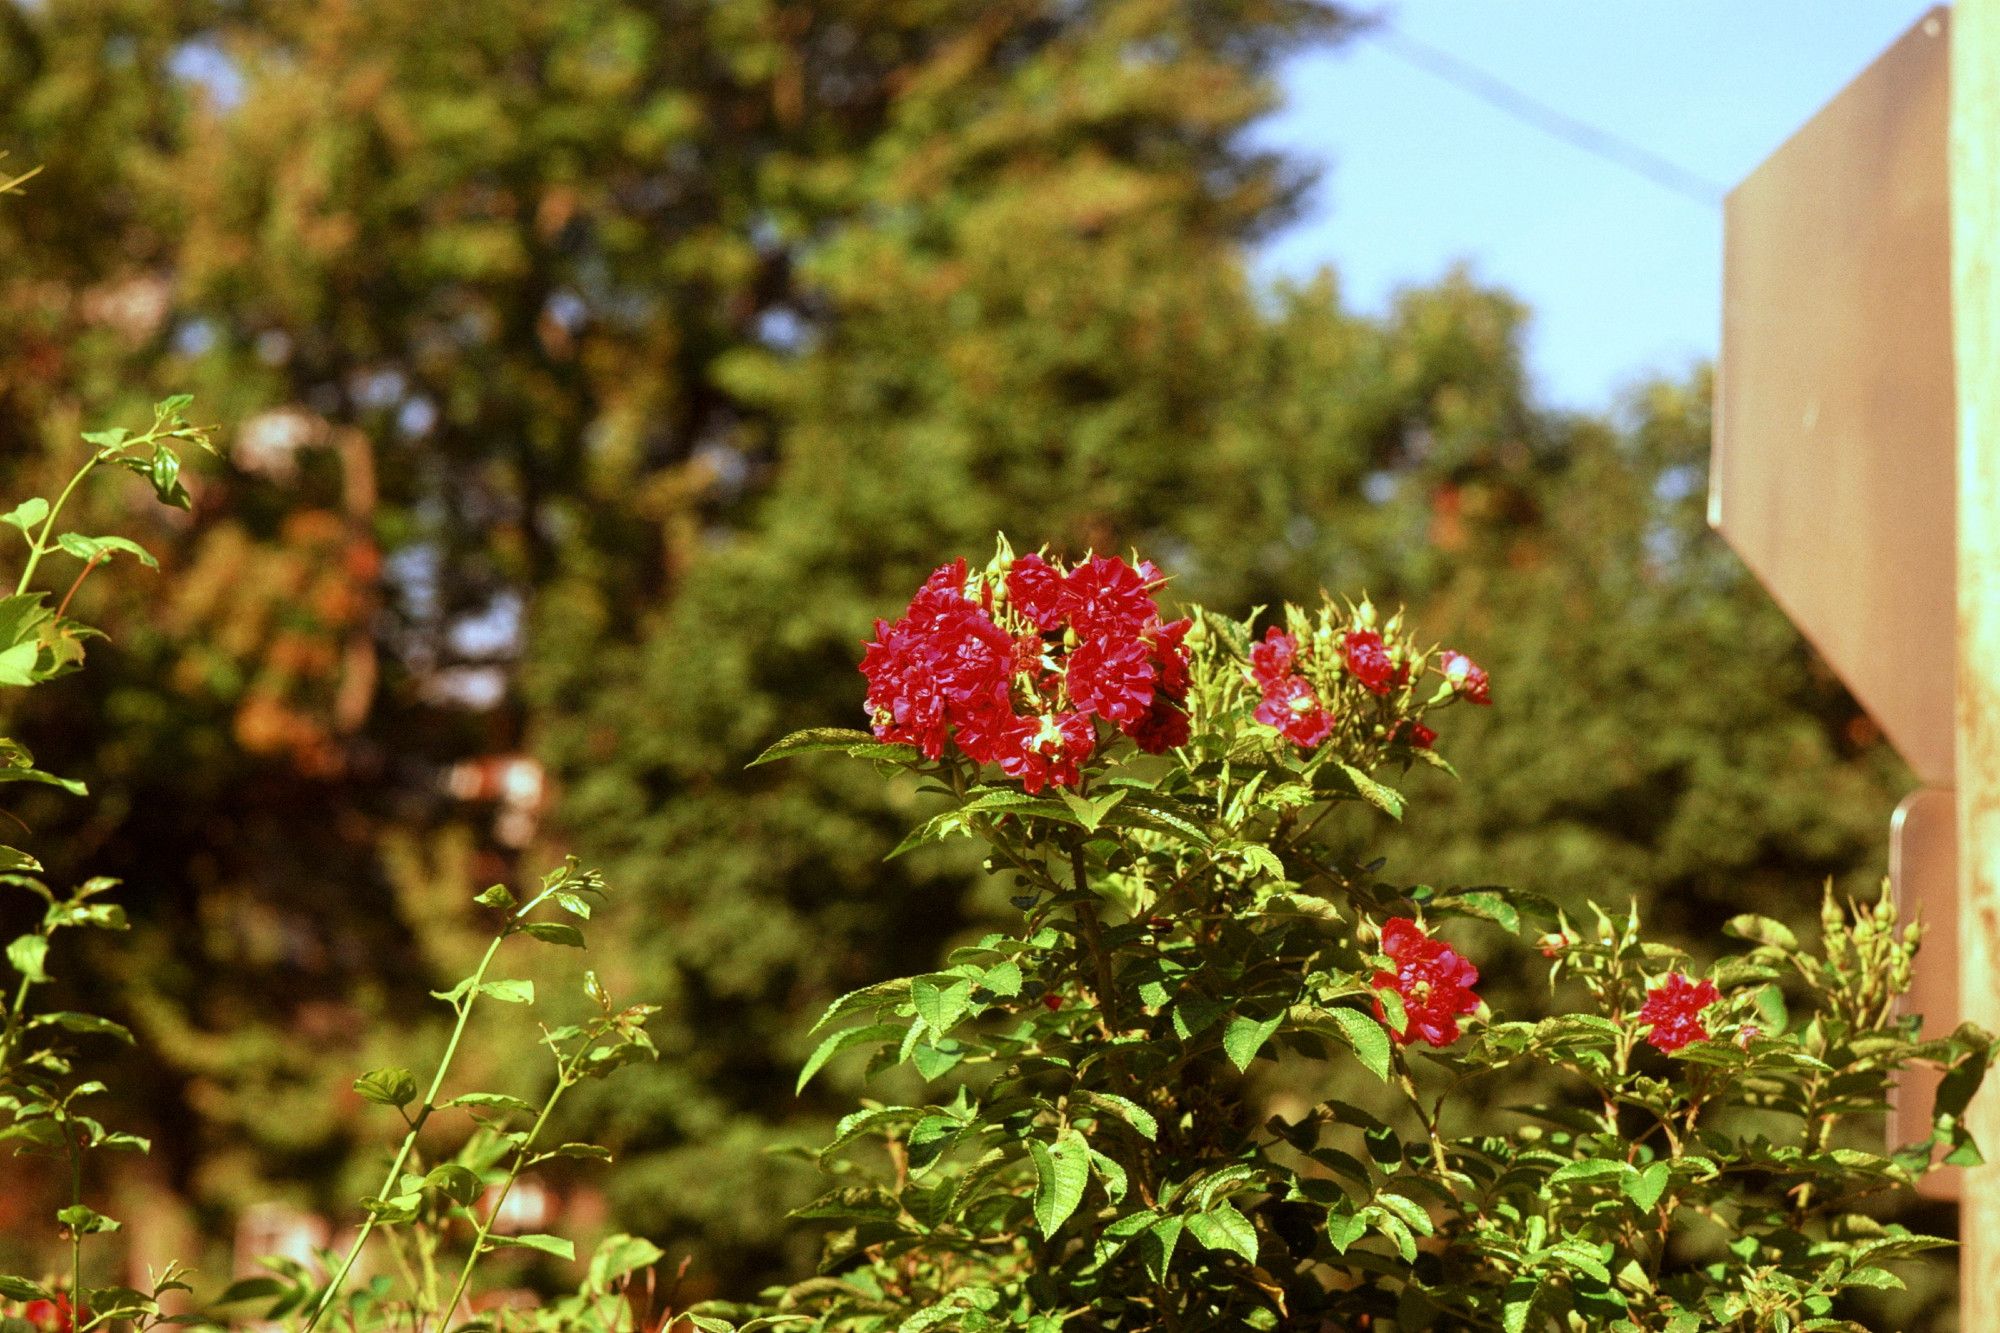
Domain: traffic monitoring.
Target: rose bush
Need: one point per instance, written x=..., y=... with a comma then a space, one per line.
x=1088, y=1150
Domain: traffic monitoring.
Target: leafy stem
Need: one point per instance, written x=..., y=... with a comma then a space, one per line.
x=465, y=1006
x=566, y=1078
x=40, y=545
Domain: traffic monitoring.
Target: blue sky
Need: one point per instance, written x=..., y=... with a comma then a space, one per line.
x=1623, y=277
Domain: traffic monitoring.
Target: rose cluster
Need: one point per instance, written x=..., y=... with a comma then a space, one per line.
x=1431, y=978
x=1016, y=666
x=1284, y=670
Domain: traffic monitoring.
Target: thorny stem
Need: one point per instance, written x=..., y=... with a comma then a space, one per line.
x=410, y=1139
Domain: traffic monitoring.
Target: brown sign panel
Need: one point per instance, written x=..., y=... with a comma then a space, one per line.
x=1923, y=871
x=1835, y=424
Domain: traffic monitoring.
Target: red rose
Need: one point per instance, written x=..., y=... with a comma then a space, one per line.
x=1045, y=751
x=1291, y=707
x=1271, y=661
x=1112, y=678
x=944, y=661
x=53, y=1316
x=1106, y=598
x=1435, y=983
x=1413, y=734
x=1673, y=1008
x=1368, y=660
x=1170, y=655
x=1035, y=590
x=1465, y=676
x=1164, y=728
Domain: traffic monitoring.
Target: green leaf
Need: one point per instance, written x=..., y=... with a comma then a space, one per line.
x=1644, y=1188
x=458, y=1183
x=30, y=513
x=621, y=1254
x=1062, y=1169
x=840, y=1041
x=509, y=992
x=84, y=1221
x=1223, y=1228
x=1245, y=1036
x=13, y=858
x=556, y=1245
x=20, y=1289
x=1133, y=1114
x=1386, y=799
x=822, y=740
x=27, y=954
x=495, y=895
x=1368, y=1038
x=1343, y=1229
x=941, y=1006
x=491, y=1101
x=97, y=548
x=17, y=664
x=260, y=1288
x=1157, y=1244
x=388, y=1087
x=582, y=1151
x=1761, y=930
x=83, y=1025
x=1589, y=1169
x=554, y=932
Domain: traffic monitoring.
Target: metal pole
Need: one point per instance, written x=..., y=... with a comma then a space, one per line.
x=1975, y=226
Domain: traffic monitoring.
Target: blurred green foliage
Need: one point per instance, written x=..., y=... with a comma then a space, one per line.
x=594, y=372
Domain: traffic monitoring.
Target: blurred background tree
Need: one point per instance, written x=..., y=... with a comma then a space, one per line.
x=594, y=373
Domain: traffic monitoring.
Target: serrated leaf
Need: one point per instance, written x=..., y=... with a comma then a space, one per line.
x=1367, y=1038
x=1222, y=1227
x=1062, y=1170
x=1133, y=1114
x=840, y=1041
x=941, y=1006
x=1386, y=799
x=823, y=740
x=1644, y=1188
x=509, y=991
x=1589, y=1169
x=491, y=1101
x=1245, y=1036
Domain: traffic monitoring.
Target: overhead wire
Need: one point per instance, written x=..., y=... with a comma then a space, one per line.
x=1530, y=110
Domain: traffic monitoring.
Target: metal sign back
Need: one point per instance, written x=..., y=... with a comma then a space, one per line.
x=1835, y=425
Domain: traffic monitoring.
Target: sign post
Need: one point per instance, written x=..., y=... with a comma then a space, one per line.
x=1975, y=230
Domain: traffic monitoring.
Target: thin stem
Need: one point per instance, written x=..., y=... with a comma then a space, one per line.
x=485, y=1227
x=81, y=575
x=13, y=1029
x=1093, y=938
x=75, y=1231
x=410, y=1139
x=40, y=547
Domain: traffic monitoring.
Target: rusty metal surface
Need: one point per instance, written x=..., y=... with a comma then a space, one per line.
x=1835, y=420
x=1923, y=874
